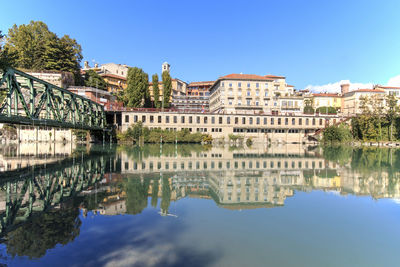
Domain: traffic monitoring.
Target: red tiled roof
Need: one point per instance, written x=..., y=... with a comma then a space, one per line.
x=201, y=83
x=388, y=87
x=112, y=76
x=326, y=95
x=274, y=76
x=290, y=85
x=246, y=77
x=369, y=91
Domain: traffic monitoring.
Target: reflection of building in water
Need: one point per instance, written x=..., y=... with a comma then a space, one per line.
x=16, y=156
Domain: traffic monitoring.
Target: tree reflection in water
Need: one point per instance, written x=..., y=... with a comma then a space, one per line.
x=43, y=232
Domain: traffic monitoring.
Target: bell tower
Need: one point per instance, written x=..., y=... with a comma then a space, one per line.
x=165, y=67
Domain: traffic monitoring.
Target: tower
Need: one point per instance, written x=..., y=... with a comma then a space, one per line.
x=165, y=67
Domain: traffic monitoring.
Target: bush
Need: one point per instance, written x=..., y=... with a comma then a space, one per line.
x=326, y=110
x=337, y=134
x=308, y=110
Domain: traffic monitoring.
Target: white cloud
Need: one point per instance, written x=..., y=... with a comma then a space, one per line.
x=394, y=81
x=335, y=87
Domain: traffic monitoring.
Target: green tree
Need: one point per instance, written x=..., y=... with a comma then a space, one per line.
x=137, y=86
x=92, y=79
x=391, y=113
x=156, y=91
x=36, y=47
x=167, y=87
x=6, y=58
x=147, y=97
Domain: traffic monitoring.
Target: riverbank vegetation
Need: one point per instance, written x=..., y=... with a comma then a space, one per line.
x=379, y=121
x=138, y=133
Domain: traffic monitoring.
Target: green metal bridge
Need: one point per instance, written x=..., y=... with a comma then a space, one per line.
x=32, y=101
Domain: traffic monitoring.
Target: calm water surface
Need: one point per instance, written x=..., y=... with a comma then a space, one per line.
x=189, y=205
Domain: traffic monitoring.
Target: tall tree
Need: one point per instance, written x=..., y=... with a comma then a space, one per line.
x=92, y=79
x=167, y=86
x=391, y=113
x=147, y=97
x=156, y=91
x=6, y=58
x=136, y=89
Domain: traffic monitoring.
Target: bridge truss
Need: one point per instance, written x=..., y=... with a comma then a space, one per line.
x=32, y=101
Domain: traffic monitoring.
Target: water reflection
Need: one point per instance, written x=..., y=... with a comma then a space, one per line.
x=40, y=204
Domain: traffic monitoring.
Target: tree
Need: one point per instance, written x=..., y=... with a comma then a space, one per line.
x=156, y=91
x=147, y=97
x=36, y=47
x=138, y=84
x=167, y=86
x=392, y=112
x=6, y=58
x=92, y=79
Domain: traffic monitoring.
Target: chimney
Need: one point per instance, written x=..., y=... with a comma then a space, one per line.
x=345, y=88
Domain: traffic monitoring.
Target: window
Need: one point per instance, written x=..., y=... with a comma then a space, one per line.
x=257, y=85
x=183, y=119
x=230, y=85
x=257, y=103
x=230, y=102
x=222, y=84
x=248, y=85
x=239, y=85
x=293, y=121
x=244, y=120
x=175, y=119
x=239, y=102
x=135, y=118
x=228, y=120
x=143, y=118
x=230, y=92
x=307, y=121
x=258, y=120
x=266, y=93
x=205, y=120
x=212, y=120
x=167, y=119
x=126, y=118
x=300, y=121
x=239, y=92
x=313, y=121
x=248, y=93
x=272, y=121
x=257, y=92
x=190, y=119
x=266, y=103
x=248, y=102
x=151, y=118
x=275, y=104
x=220, y=120
x=236, y=120
x=159, y=119
x=279, y=121
x=198, y=119
x=266, y=85
x=250, y=120
x=286, y=121
x=265, y=121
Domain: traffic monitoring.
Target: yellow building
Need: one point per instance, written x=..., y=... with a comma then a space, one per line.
x=327, y=100
x=178, y=88
x=115, y=83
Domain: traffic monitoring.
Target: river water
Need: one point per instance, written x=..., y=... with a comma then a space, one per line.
x=190, y=205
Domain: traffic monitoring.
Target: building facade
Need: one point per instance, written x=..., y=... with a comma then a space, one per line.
x=249, y=93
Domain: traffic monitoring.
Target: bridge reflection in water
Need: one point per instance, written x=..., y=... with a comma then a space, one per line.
x=125, y=180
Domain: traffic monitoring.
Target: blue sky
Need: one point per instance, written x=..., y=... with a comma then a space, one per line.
x=309, y=42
